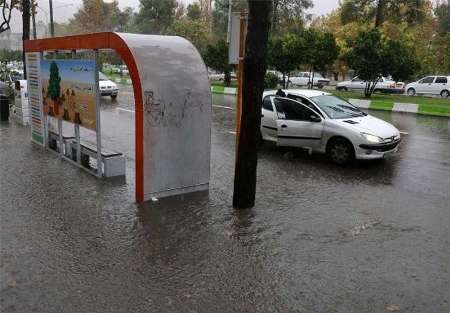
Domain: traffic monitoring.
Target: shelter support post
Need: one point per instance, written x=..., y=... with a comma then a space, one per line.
x=98, y=126
x=77, y=127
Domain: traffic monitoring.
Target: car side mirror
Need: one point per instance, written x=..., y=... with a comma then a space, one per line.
x=315, y=119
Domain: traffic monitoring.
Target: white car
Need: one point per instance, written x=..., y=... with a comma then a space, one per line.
x=432, y=85
x=107, y=87
x=306, y=78
x=324, y=123
x=384, y=85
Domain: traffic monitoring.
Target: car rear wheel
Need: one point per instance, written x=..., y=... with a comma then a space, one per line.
x=411, y=92
x=340, y=151
x=445, y=94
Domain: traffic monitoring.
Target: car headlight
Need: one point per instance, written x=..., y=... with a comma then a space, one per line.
x=372, y=138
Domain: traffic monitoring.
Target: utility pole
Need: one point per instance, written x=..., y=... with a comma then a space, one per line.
x=33, y=18
x=230, y=5
x=52, y=27
x=25, y=31
x=252, y=90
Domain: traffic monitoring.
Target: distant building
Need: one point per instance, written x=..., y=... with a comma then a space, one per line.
x=10, y=40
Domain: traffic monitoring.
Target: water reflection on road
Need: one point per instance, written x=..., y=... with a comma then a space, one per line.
x=321, y=238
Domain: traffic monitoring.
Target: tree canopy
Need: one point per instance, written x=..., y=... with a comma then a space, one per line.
x=155, y=16
x=216, y=57
x=97, y=15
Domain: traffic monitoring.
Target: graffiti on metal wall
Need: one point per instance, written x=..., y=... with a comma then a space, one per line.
x=159, y=113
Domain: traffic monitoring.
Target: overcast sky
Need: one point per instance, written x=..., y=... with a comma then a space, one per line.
x=64, y=9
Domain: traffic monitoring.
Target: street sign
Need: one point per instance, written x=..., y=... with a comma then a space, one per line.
x=235, y=37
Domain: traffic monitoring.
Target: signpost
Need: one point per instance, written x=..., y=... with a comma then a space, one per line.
x=238, y=32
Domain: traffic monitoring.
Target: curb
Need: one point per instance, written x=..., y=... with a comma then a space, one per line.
x=123, y=81
x=413, y=108
x=223, y=90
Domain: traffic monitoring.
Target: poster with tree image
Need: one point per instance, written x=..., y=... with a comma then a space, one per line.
x=68, y=91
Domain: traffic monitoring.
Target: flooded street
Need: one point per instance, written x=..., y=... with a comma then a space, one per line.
x=366, y=238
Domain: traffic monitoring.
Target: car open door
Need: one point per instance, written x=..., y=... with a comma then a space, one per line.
x=298, y=125
x=268, y=120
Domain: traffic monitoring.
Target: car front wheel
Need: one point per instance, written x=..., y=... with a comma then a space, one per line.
x=342, y=89
x=113, y=97
x=340, y=151
x=411, y=92
x=445, y=94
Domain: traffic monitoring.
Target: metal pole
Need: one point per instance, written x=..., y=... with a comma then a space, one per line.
x=52, y=27
x=77, y=129
x=240, y=75
x=44, y=116
x=98, y=126
x=230, y=5
x=33, y=18
x=60, y=130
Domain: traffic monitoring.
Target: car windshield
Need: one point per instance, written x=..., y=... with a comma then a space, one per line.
x=337, y=108
x=102, y=76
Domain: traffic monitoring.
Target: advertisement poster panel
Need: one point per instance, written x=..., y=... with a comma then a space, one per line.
x=68, y=91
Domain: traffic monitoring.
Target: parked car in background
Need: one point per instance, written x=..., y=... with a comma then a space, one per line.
x=431, y=85
x=324, y=123
x=306, y=79
x=107, y=87
x=214, y=75
x=384, y=85
x=5, y=90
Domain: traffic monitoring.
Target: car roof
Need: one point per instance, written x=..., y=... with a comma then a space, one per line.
x=298, y=92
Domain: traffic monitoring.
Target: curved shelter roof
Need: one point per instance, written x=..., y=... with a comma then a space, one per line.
x=172, y=103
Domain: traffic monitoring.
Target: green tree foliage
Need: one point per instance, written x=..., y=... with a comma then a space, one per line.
x=7, y=55
x=372, y=56
x=442, y=12
x=155, y=16
x=216, y=57
x=322, y=50
x=270, y=81
x=54, y=87
x=289, y=14
x=96, y=16
x=366, y=58
x=194, y=11
x=196, y=31
x=402, y=63
x=379, y=11
x=286, y=53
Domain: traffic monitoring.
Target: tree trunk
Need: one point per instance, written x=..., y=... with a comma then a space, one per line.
x=252, y=89
x=379, y=17
x=227, y=78
x=311, y=86
x=26, y=31
x=275, y=16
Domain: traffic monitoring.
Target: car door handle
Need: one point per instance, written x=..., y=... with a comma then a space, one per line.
x=262, y=115
x=283, y=126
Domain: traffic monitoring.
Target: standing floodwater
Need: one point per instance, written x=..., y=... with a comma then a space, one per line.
x=321, y=238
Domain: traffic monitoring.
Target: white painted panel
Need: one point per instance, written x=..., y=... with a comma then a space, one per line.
x=406, y=107
x=177, y=114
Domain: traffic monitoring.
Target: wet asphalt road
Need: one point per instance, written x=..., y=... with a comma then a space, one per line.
x=373, y=237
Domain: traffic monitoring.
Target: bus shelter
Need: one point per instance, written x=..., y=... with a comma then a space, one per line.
x=172, y=106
